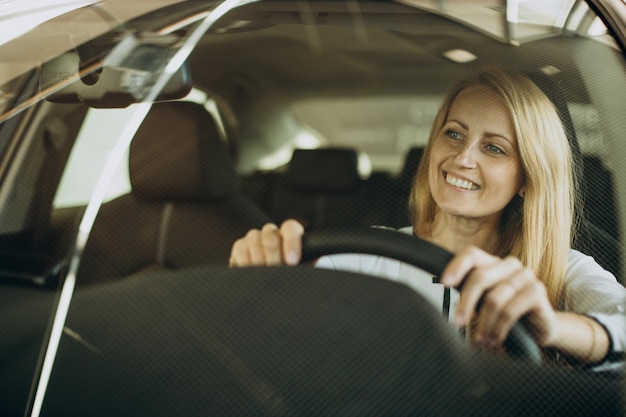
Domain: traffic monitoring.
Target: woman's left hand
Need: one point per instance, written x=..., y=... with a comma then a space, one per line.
x=497, y=293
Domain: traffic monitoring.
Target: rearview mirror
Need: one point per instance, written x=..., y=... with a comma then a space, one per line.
x=124, y=77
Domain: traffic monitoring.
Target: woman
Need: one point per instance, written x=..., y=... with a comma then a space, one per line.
x=495, y=187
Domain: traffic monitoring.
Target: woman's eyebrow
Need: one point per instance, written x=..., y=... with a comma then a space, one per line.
x=488, y=134
x=463, y=125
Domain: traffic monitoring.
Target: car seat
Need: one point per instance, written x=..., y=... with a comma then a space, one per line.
x=321, y=188
x=590, y=237
x=405, y=181
x=184, y=207
x=600, y=203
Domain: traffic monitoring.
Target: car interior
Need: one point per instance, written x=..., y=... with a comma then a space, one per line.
x=313, y=110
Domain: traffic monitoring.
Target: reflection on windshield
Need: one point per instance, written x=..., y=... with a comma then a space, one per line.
x=516, y=22
x=19, y=17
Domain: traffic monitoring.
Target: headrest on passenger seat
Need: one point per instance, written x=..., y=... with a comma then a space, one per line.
x=409, y=169
x=177, y=154
x=331, y=169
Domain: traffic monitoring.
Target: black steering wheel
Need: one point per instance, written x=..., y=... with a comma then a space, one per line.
x=412, y=250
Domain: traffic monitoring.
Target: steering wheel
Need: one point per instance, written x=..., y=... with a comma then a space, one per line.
x=412, y=250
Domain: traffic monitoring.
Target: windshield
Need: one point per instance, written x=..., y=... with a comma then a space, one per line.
x=139, y=140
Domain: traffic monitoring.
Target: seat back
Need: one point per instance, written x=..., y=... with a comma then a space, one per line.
x=405, y=182
x=321, y=188
x=598, y=213
x=184, y=207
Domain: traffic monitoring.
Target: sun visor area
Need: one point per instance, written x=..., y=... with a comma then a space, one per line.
x=124, y=77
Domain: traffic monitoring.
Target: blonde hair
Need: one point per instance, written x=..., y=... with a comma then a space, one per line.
x=538, y=228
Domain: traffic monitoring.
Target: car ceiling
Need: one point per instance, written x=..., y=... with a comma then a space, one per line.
x=262, y=57
x=393, y=47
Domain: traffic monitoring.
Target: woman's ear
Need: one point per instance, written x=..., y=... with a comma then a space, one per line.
x=522, y=192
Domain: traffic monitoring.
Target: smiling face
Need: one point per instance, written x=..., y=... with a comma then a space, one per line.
x=474, y=168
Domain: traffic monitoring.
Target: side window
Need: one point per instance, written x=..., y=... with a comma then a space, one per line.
x=96, y=139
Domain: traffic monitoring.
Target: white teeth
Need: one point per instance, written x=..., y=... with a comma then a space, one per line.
x=457, y=182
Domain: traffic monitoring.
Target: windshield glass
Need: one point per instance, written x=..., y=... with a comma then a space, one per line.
x=140, y=140
x=516, y=22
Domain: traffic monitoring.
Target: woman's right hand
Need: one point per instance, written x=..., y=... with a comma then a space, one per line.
x=269, y=246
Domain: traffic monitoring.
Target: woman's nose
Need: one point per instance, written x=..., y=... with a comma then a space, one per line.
x=467, y=156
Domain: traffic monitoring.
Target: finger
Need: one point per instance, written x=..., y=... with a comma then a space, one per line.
x=531, y=302
x=271, y=244
x=291, y=232
x=479, y=281
x=507, y=303
x=494, y=319
x=463, y=262
x=255, y=247
x=239, y=254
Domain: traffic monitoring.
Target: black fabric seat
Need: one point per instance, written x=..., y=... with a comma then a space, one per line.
x=184, y=208
x=598, y=215
x=405, y=181
x=600, y=205
x=321, y=188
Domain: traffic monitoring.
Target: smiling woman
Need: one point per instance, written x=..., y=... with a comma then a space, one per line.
x=496, y=178
x=535, y=180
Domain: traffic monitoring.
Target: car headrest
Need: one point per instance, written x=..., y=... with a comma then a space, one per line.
x=409, y=169
x=554, y=92
x=328, y=169
x=177, y=154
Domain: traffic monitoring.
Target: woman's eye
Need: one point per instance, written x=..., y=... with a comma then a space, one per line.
x=494, y=149
x=453, y=134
